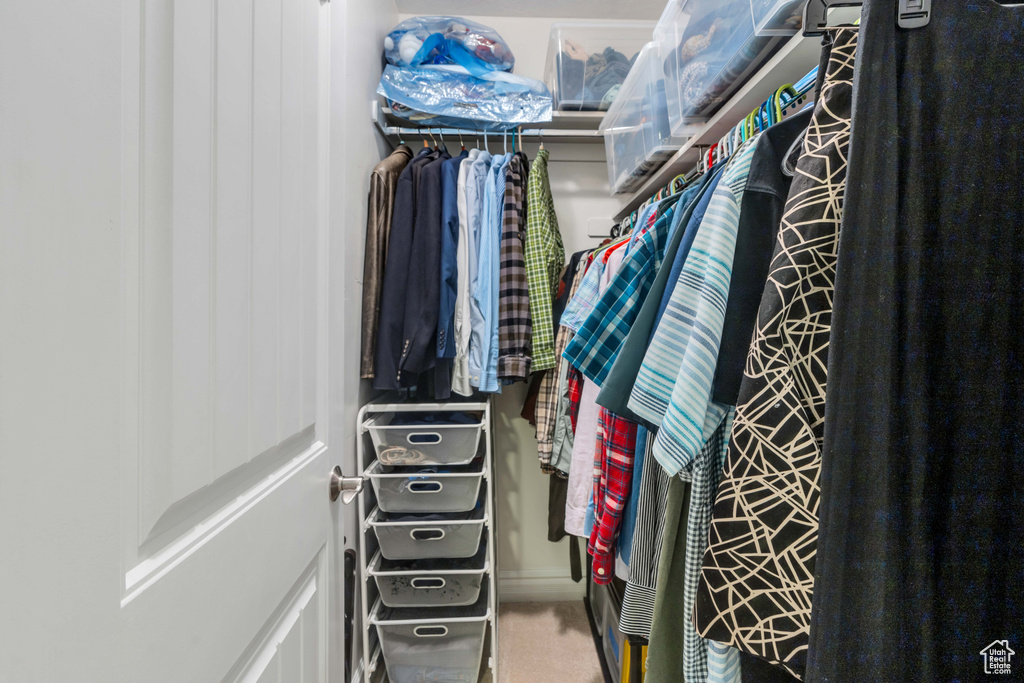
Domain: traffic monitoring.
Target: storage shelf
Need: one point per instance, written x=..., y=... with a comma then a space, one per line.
x=794, y=59
x=563, y=127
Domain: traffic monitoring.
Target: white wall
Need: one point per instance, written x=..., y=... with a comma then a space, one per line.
x=357, y=33
x=531, y=568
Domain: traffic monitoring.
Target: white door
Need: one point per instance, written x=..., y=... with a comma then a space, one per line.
x=164, y=509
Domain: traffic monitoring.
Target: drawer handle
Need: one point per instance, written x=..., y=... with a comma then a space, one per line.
x=424, y=582
x=430, y=631
x=421, y=438
x=430, y=534
x=425, y=487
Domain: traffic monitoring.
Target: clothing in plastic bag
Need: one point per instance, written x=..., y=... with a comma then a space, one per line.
x=447, y=40
x=448, y=95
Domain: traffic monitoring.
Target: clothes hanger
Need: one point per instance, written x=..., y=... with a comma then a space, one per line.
x=440, y=134
x=487, y=147
x=504, y=140
x=461, y=141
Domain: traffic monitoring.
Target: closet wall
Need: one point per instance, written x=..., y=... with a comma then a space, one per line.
x=530, y=567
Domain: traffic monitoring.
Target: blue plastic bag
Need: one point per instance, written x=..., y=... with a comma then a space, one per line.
x=447, y=95
x=422, y=41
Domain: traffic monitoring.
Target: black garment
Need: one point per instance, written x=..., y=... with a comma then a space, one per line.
x=423, y=289
x=391, y=324
x=562, y=299
x=920, y=562
x=763, y=200
x=756, y=670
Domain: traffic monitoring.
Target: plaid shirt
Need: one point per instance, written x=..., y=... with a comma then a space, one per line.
x=706, y=473
x=544, y=258
x=580, y=305
x=547, y=395
x=613, y=479
x=514, y=325
x=599, y=338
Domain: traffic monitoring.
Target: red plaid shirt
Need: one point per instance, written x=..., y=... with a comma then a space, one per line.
x=613, y=479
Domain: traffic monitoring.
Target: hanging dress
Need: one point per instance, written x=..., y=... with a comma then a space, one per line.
x=920, y=564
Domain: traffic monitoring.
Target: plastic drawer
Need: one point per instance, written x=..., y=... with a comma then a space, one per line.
x=587, y=61
x=637, y=134
x=430, y=583
x=437, y=645
x=612, y=639
x=777, y=17
x=444, y=438
x=427, y=537
x=426, y=489
x=707, y=48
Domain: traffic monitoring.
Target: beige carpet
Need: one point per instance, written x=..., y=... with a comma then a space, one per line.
x=546, y=642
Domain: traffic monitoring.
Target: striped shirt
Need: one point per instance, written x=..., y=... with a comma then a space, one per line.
x=673, y=389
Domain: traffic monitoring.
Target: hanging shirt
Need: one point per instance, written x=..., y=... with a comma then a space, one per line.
x=449, y=258
x=466, y=246
x=383, y=186
x=485, y=287
x=544, y=257
x=475, y=182
x=618, y=384
x=598, y=340
x=514, y=323
x=673, y=388
x=581, y=469
x=547, y=396
x=613, y=472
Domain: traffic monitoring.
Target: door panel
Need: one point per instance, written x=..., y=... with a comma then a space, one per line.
x=163, y=215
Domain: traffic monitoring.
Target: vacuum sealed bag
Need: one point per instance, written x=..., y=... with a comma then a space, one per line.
x=448, y=95
x=447, y=40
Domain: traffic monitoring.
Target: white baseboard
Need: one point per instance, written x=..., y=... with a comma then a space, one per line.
x=539, y=585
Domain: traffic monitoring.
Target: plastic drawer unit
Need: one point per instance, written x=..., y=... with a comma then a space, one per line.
x=443, y=438
x=588, y=61
x=428, y=537
x=429, y=583
x=637, y=135
x=443, y=644
x=777, y=17
x=436, y=488
x=708, y=48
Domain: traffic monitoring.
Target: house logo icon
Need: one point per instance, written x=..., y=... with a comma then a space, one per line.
x=997, y=657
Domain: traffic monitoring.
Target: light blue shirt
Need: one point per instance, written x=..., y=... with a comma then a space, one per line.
x=485, y=290
x=475, y=211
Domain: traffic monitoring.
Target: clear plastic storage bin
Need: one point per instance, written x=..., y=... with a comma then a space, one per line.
x=613, y=640
x=429, y=583
x=637, y=135
x=708, y=48
x=777, y=17
x=588, y=61
x=442, y=645
x=442, y=438
x=425, y=537
x=426, y=489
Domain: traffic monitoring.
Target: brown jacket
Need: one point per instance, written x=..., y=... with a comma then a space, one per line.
x=383, y=182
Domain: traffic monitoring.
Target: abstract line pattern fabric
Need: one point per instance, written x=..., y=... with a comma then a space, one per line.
x=758, y=572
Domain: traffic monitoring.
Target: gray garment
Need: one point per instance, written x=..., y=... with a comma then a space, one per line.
x=562, y=441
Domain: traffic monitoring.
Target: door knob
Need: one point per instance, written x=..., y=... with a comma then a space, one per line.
x=346, y=487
